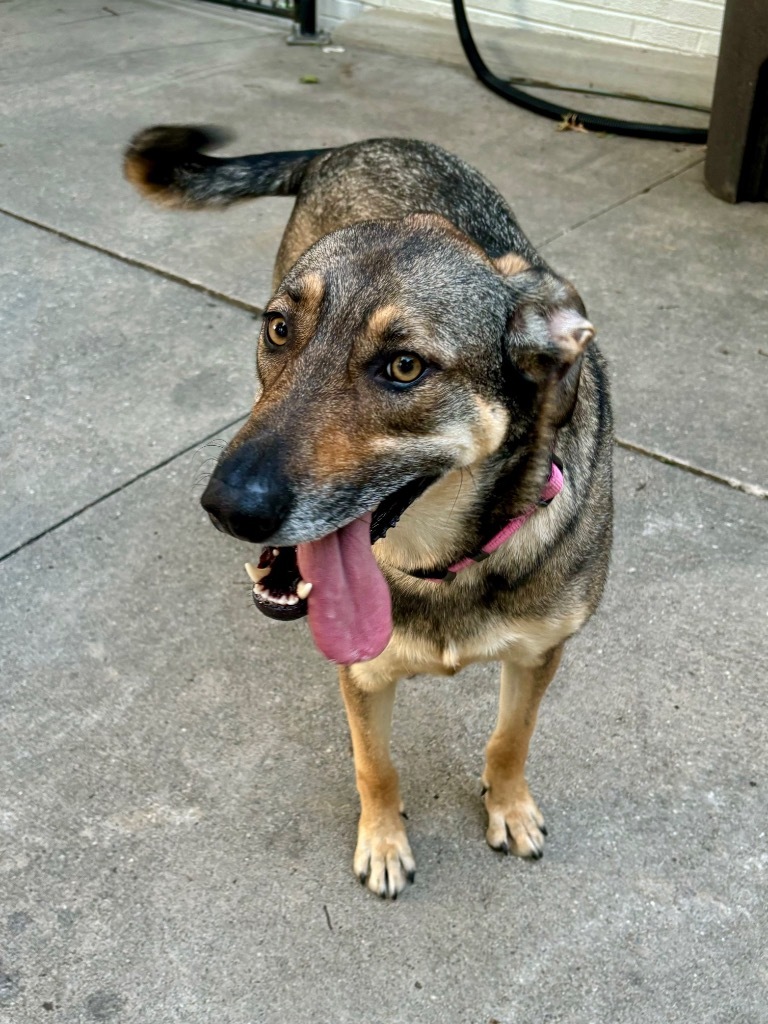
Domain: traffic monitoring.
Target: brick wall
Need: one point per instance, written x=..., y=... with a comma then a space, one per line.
x=683, y=26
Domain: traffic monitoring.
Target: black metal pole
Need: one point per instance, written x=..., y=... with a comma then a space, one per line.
x=307, y=17
x=737, y=158
x=305, y=31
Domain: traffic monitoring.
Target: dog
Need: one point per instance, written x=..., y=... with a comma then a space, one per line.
x=428, y=463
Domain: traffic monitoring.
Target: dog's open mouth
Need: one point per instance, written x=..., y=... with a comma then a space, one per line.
x=337, y=582
x=278, y=589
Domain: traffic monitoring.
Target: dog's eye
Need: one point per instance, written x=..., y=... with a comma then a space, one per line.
x=277, y=330
x=405, y=368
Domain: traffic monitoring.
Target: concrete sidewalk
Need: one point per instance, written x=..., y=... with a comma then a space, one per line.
x=177, y=806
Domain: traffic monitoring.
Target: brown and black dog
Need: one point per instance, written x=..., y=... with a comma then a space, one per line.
x=428, y=464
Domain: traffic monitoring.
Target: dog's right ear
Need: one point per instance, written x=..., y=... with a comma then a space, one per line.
x=547, y=330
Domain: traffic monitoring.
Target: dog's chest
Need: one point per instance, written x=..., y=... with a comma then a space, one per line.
x=525, y=641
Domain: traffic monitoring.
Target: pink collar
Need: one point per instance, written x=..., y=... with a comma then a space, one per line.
x=551, y=489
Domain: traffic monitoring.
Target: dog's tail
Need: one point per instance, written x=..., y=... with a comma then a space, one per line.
x=166, y=163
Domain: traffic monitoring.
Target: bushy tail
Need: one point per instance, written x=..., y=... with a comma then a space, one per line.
x=167, y=164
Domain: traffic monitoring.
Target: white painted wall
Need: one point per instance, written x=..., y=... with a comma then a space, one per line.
x=682, y=26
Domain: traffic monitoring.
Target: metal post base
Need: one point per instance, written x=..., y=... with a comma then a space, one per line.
x=299, y=38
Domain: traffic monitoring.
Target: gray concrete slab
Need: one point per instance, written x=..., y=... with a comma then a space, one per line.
x=676, y=282
x=78, y=82
x=78, y=93
x=178, y=812
x=106, y=370
x=178, y=809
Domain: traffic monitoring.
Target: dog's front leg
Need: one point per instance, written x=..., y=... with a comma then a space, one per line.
x=515, y=823
x=383, y=858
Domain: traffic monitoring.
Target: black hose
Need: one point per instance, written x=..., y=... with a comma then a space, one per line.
x=592, y=122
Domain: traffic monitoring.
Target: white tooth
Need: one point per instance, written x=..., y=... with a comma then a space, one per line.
x=303, y=589
x=292, y=599
x=259, y=589
x=256, y=574
x=275, y=552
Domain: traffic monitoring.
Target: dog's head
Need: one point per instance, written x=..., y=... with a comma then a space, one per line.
x=393, y=353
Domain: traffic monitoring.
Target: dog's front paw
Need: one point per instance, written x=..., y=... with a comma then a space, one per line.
x=515, y=823
x=383, y=859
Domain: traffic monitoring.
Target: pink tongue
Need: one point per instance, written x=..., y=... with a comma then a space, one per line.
x=350, y=614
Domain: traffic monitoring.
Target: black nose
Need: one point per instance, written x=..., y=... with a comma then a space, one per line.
x=248, y=494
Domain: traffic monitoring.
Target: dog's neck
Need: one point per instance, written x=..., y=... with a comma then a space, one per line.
x=433, y=528
x=462, y=511
x=548, y=493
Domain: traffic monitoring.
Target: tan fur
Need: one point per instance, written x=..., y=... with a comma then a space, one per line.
x=511, y=263
x=492, y=427
x=515, y=823
x=381, y=319
x=530, y=653
x=135, y=171
x=430, y=522
x=526, y=642
x=383, y=856
x=306, y=311
x=337, y=452
x=433, y=519
x=312, y=287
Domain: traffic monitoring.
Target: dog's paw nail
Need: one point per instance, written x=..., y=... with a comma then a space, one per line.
x=543, y=830
x=404, y=815
x=362, y=878
x=411, y=876
x=483, y=791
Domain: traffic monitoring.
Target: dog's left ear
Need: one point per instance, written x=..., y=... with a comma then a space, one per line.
x=547, y=330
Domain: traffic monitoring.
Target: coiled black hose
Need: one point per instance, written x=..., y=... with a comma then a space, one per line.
x=592, y=122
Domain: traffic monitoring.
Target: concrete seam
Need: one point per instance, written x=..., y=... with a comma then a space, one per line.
x=121, y=487
x=753, y=490
x=131, y=261
x=621, y=202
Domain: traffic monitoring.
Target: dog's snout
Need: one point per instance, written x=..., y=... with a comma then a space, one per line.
x=248, y=494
